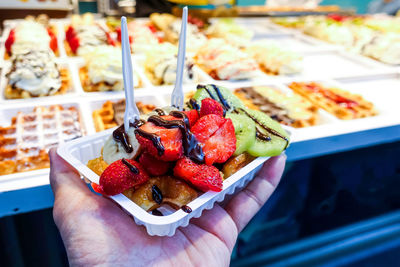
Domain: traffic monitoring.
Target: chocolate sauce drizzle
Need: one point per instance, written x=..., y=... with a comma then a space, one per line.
x=191, y=147
x=130, y=166
x=156, y=194
x=186, y=209
x=159, y=111
x=221, y=98
x=122, y=137
x=156, y=212
x=194, y=105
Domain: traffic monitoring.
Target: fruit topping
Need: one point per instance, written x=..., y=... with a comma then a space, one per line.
x=210, y=106
x=206, y=126
x=74, y=44
x=122, y=175
x=10, y=40
x=153, y=166
x=193, y=116
x=202, y=176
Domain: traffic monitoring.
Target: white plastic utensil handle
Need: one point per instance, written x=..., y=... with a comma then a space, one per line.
x=131, y=111
x=177, y=94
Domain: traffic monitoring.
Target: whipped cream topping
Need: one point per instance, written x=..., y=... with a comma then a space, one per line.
x=227, y=61
x=194, y=38
x=35, y=72
x=104, y=64
x=28, y=35
x=89, y=37
x=384, y=47
x=165, y=69
x=141, y=35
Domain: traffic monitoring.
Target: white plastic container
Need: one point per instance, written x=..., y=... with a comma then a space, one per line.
x=78, y=152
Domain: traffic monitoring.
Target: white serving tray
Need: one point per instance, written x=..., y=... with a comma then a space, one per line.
x=78, y=152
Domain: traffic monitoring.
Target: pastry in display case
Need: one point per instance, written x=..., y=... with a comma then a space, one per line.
x=103, y=70
x=223, y=61
x=286, y=108
x=84, y=34
x=161, y=62
x=31, y=33
x=111, y=114
x=25, y=143
x=35, y=73
x=341, y=103
x=229, y=30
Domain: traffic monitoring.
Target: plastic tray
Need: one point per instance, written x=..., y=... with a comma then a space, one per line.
x=78, y=152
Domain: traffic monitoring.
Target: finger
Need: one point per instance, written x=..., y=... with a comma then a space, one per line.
x=248, y=202
x=64, y=179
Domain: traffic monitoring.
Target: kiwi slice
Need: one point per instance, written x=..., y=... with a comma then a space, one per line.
x=245, y=131
x=271, y=139
x=223, y=95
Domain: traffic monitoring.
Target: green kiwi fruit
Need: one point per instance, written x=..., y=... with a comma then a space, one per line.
x=271, y=139
x=223, y=95
x=245, y=131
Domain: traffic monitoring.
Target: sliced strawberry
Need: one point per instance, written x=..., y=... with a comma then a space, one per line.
x=221, y=145
x=170, y=140
x=53, y=43
x=193, y=116
x=186, y=169
x=118, y=31
x=153, y=166
x=110, y=40
x=74, y=44
x=70, y=33
x=207, y=178
x=121, y=175
x=206, y=126
x=210, y=106
x=152, y=28
x=97, y=188
x=10, y=40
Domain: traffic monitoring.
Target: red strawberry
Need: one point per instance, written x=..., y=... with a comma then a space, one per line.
x=10, y=40
x=153, y=166
x=74, y=44
x=185, y=168
x=207, y=178
x=53, y=43
x=119, y=36
x=221, y=145
x=70, y=33
x=170, y=139
x=206, y=126
x=110, y=40
x=119, y=176
x=97, y=188
x=193, y=116
x=210, y=106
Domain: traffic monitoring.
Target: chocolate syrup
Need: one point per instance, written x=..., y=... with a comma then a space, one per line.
x=156, y=212
x=130, y=166
x=186, y=209
x=262, y=136
x=193, y=103
x=159, y=111
x=156, y=194
x=221, y=98
x=120, y=136
x=191, y=147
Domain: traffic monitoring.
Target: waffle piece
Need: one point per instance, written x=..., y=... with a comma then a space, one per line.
x=24, y=144
x=111, y=114
x=288, y=109
x=342, y=104
x=11, y=92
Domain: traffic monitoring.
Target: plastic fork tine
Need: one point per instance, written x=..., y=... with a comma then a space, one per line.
x=177, y=94
x=131, y=110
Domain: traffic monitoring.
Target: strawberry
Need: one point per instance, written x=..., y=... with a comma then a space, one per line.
x=119, y=35
x=202, y=176
x=206, y=126
x=97, y=188
x=169, y=139
x=121, y=175
x=185, y=168
x=221, y=145
x=207, y=178
x=74, y=44
x=10, y=40
x=70, y=33
x=193, y=116
x=53, y=43
x=210, y=106
x=152, y=165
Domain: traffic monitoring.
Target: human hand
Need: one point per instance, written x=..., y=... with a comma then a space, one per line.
x=96, y=231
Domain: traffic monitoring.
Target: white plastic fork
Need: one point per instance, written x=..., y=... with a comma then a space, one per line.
x=131, y=111
x=177, y=93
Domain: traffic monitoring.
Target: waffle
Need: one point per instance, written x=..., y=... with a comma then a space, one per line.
x=17, y=93
x=342, y=104
x=111, y=114
x=288, y=109
x=24, y=144
x=96, y=87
